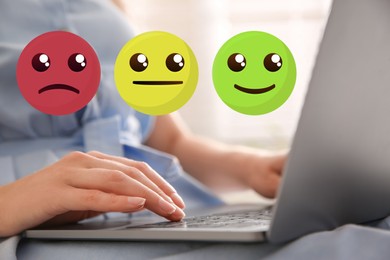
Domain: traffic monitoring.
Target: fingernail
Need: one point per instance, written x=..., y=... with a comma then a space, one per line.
x=136, y=201
x=166, y=206
x=178, y=214
x=178, y=200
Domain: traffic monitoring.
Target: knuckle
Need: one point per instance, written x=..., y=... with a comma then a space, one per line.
x=115, y=176
x=161, y=193
x=76, y=155
x=112, y=199
x=142, y=166
x=91, y=196
x=166, y=188
x=143, y=191
x=134, y=173
x=94, y=153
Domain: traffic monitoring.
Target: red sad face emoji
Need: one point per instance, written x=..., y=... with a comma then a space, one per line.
x=58, y=73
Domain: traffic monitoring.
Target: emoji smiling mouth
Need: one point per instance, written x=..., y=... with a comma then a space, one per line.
x=254, y=90
x=156, y=82
x=59, y=86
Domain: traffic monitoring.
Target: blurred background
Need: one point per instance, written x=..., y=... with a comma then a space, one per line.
x=205, y=25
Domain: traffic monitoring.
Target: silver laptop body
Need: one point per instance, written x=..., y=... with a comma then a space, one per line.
x=338, y=170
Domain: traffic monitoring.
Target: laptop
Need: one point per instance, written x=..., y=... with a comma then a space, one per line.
x=338, y=170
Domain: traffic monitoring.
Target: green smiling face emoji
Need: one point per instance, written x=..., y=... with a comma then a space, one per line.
x=156, y=73
x=254, y=73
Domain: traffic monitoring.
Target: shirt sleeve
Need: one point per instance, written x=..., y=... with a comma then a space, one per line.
x=146, y=124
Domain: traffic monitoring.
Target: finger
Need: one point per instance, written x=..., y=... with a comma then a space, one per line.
x=116, y=182
x=269, y=186
x=278, y=163
x=273, y=184
x=153, y=180
x=96, y=200
x=131, y=172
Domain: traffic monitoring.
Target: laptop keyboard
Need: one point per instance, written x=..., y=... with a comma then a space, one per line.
x=225, y=220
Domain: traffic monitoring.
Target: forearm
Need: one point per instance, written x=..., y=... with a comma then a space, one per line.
x=215, y=164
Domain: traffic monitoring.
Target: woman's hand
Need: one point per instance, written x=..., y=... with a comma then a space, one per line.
x=262, y=173
x=83, y=185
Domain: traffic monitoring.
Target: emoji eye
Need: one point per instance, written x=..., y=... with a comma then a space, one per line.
x=40, y=62
x=273, y=62
x=174, y=62
x=77, y=62
x=236, y=62
x=138, y=62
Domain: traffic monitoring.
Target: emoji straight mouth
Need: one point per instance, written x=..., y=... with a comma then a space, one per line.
x=254, y=90
x=59, y=86
x=156, y=82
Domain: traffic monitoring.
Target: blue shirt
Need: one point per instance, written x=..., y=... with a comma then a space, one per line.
x=31, y=140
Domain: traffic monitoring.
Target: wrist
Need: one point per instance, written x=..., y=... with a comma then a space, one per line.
x=8, y=218
x=236, y=163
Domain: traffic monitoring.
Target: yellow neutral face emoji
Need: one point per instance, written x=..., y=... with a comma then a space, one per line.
x=156, y=73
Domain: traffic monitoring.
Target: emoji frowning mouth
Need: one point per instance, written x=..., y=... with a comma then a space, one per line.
x=156, y=82
x=59, y=86
x=254, y=90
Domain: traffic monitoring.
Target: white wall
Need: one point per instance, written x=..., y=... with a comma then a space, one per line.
x=205, y=25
